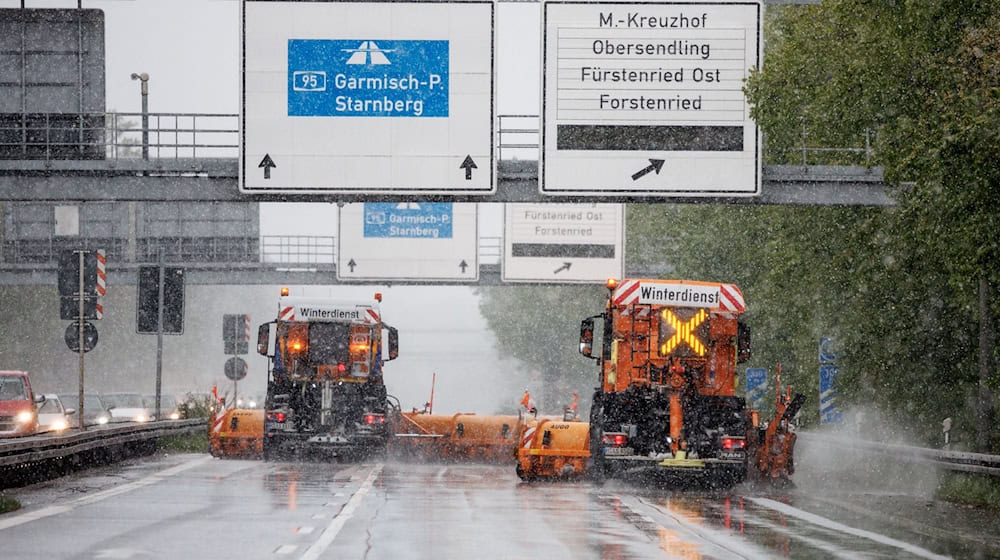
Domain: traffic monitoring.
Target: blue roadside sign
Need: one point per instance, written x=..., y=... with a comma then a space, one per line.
x=756, y=386
x=827, y=353
x=409, y=220
x=367, y=78
x=829, y=410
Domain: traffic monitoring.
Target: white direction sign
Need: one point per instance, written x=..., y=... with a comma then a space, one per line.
x=563, y=242
x=367, y=97
x=424, y=241
x=647, y=98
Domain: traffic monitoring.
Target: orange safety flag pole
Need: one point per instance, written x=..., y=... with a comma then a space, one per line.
x=576, y=402
x=430, y=405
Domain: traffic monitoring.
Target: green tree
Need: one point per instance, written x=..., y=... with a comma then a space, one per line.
x=922, y=77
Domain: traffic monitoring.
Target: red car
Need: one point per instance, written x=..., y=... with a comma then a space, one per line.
x=18, y=405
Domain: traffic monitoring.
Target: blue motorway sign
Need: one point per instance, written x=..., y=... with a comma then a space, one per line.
x=829, y=410
x=756, y=386
x=408, y=220
x=827, y=353
x=367, y=78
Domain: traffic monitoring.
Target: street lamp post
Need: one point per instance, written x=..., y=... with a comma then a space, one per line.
x=144, y=80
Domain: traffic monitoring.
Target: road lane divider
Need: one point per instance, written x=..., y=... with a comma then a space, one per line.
x=328, y=535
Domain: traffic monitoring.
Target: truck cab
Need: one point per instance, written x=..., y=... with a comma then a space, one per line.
x=325, y=389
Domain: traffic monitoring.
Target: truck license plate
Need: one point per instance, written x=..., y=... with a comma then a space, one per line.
x=618, y=451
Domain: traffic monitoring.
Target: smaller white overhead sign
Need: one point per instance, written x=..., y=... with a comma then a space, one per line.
x=563, y=242
x=408, y=241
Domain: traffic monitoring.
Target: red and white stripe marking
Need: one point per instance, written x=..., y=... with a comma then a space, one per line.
x=529, y=434
x=287, y=313
x=102, y=276
x=372, y=314
x=627, y=292
x=731, y=298
x=246, y=327
x=102, y=283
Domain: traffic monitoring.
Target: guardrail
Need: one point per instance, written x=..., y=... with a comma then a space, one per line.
x=52, y=453
x=979, y=463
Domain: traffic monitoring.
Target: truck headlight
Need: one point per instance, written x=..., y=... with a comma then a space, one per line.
x=25, y=416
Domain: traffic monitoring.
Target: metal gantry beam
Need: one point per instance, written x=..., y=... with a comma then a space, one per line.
x=215, y=179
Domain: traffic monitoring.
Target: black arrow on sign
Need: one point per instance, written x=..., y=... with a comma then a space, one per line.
x=267, y=163
x=463, y=265
x=654, y=165
x=468, y=165
x=352, y=264
x=565, y=266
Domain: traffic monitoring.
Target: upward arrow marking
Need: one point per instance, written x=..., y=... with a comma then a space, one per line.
x=468, y=164
x=267, y=163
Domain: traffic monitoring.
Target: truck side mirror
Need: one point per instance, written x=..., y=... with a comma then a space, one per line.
x=587, y=337
x=742, y=343
x=263, y=338
x=393, y=344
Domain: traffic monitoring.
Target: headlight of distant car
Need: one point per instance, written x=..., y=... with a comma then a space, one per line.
x=102, y=419
x=252, y=404
x=175, y=415
x=59, y=425
x=25, y=416
x=141, y=418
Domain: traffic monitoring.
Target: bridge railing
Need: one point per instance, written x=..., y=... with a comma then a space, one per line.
x=267, y=250
x=116, y=136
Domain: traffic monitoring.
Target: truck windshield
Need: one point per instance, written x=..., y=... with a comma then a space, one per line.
x=329, y=343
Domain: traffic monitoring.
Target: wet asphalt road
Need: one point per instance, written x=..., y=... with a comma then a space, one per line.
x=193, y=506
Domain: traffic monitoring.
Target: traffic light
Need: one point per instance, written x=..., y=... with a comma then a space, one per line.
x=235, y=334
x=148, y=300
x=69, y=284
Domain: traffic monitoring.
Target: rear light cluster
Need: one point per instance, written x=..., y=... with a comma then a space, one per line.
x=374, y=419
x=276, y=416
x=614, y=439
x=730, y=443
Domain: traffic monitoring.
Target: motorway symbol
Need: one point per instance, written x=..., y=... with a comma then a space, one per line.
x=468, y=164
x=463, y=265
x=565, y=266
x=367, y=53
x=654, y=165
x=267, y=163
x=352, y=264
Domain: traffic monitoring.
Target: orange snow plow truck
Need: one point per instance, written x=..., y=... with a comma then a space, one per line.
x=666, y=406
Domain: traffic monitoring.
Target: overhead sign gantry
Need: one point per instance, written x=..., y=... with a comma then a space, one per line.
x=647, y=98
x=367, y=97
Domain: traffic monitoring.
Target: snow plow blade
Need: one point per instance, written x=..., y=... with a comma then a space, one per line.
x=458, y=437
x=239, y=433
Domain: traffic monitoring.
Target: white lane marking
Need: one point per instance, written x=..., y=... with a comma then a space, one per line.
x=319, y=516
x=830, y=524
x=330, y=533
x=97, y=497
x=286, y=549
x=304, y=530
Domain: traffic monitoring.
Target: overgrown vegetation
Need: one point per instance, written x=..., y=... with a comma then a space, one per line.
x=185, y=443
x=972, y=489
x=8, y=504
x=910, y=293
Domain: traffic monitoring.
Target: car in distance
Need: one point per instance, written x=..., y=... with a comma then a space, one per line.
x=52, y=415
x=127, y=407
x=18, y=405
x=168, y=406
x=95, y=412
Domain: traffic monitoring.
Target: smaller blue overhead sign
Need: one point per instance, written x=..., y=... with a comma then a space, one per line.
x=408, y=220
x=367, y=78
